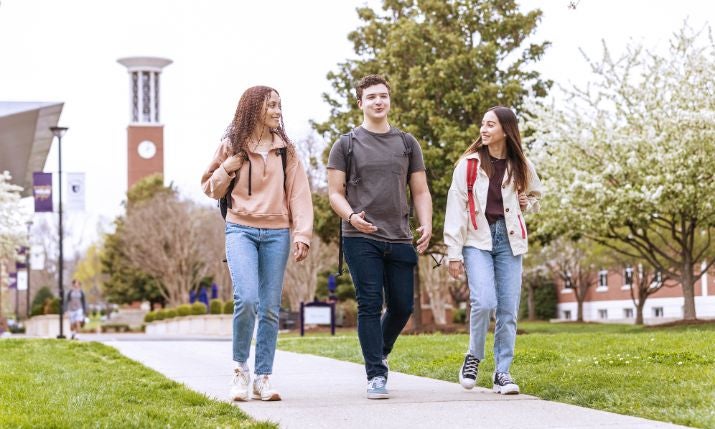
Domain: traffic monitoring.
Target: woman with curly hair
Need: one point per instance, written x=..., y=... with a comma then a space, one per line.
x=268, y=196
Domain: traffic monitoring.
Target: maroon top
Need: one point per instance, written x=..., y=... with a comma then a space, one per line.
x=495, y=203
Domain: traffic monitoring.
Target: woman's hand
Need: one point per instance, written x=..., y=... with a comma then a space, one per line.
x=523, y=201
x=232, y=163
x=300, y=251
x=456, y=269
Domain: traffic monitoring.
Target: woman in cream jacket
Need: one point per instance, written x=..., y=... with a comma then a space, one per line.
x=493, y=185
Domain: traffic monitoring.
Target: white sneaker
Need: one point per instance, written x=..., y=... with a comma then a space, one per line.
x=262, y=389
x=240, y=385
x=504, y=384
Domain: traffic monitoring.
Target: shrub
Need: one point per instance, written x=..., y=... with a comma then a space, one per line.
x=170, y=313
x=215, y=306
x=459, y=316
x=52, y=306
x=160, y=314
x=183, y=310
x=228, y=307
x=198, y=308
x=38, y=302
x=349, y=311
x=150, y=317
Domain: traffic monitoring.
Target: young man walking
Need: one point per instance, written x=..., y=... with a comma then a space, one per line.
x=380, y=161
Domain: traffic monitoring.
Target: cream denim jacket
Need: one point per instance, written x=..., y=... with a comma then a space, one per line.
x=458, y=229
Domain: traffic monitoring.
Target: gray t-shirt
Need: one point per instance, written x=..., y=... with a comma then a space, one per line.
x=378, y=181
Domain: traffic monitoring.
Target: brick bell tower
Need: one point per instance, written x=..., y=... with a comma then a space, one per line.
x=145, y=132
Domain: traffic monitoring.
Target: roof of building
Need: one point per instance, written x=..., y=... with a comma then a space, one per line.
x=25, y=138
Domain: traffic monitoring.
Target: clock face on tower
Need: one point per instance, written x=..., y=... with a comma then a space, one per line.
x=146, y=149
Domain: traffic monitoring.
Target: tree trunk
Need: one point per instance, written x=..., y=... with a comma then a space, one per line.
x=639, y=309
x=579, y=310
x=531, y=305
x=417, y=312
x=688, y=293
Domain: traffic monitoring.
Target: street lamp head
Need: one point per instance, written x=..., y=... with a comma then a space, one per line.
x=58, y=131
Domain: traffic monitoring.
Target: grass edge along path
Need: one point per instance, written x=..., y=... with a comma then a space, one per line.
x=67, y=384
x=661, y=374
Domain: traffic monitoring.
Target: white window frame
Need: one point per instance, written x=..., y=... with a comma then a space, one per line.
x=603, y=314
x=657, y=310
x=602, y=285
x=568, y=284
x=626, y=273
x=628, y=313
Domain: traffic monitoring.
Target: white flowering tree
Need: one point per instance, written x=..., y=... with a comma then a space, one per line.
x=11, y=218
x=629, y=162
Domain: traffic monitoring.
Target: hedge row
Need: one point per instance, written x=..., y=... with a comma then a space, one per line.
x=216, y=306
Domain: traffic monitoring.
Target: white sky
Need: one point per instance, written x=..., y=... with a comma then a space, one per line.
x=66, y=50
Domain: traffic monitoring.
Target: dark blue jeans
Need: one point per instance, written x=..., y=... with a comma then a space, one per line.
x=381, y=272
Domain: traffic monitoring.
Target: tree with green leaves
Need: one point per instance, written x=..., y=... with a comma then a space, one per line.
x=447, y=61
x=629, y=164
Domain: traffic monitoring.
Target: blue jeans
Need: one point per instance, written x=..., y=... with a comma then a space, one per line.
x=257, y=259
x=381, y=272
x=494, y=279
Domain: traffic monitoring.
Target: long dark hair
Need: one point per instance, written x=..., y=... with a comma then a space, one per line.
x=516, y=161
x=249, y=114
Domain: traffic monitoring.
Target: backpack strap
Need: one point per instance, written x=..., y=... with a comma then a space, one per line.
x=345, y=139
x=472, y=170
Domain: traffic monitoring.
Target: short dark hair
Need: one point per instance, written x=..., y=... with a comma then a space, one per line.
x=368, y=81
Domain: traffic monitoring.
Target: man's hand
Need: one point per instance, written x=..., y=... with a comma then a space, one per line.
x=425, y=236
x=300, y=251
x=358, y=221
x=456, y=269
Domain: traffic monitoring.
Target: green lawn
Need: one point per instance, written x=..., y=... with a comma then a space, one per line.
x=69, y=384
x=665, y=374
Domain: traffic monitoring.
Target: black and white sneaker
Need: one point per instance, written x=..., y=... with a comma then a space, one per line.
x=468, y=371
x=504, y=385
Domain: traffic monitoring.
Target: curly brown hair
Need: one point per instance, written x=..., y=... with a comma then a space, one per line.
x=249, y=114
x=368, y=81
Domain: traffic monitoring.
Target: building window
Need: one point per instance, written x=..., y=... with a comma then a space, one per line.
x=657, y=279
x=627, y=313
x=658, y=312
x=568, y=284
x=628, y=277
x=135, y=97
x=603, y=314
x=602, y=281
x=567, y=315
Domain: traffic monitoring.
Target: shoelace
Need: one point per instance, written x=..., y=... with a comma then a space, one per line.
x=470, y=366
x=503, y=378
x=240, y=374
x=262, y=383
x=377, y=383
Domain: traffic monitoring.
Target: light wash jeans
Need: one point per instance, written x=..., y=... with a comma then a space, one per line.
x=494, y=279
x=257, y=259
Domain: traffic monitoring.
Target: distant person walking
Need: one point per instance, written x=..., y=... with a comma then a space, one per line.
x=256, y=166
x=369, y=170
x=493, y=185
x=76, y=306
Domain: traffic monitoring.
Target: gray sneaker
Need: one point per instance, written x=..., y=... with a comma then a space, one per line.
x=377, y=389
x=384, y=362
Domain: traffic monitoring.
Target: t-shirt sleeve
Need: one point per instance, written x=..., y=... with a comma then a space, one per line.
x=336, y=159
x=417, y=163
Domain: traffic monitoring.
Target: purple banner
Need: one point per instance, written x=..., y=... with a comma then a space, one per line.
x=13, y=281
x=42, y=191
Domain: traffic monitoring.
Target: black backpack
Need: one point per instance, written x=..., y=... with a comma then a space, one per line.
x=224, y=203
x=348, y=164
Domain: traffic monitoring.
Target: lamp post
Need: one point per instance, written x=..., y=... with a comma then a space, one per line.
x=27, y=256
x=59, y=132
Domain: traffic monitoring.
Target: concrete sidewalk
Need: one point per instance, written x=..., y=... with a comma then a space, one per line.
x=325, y=393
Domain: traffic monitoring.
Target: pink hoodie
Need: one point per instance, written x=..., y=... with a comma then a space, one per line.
x=269, y=205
